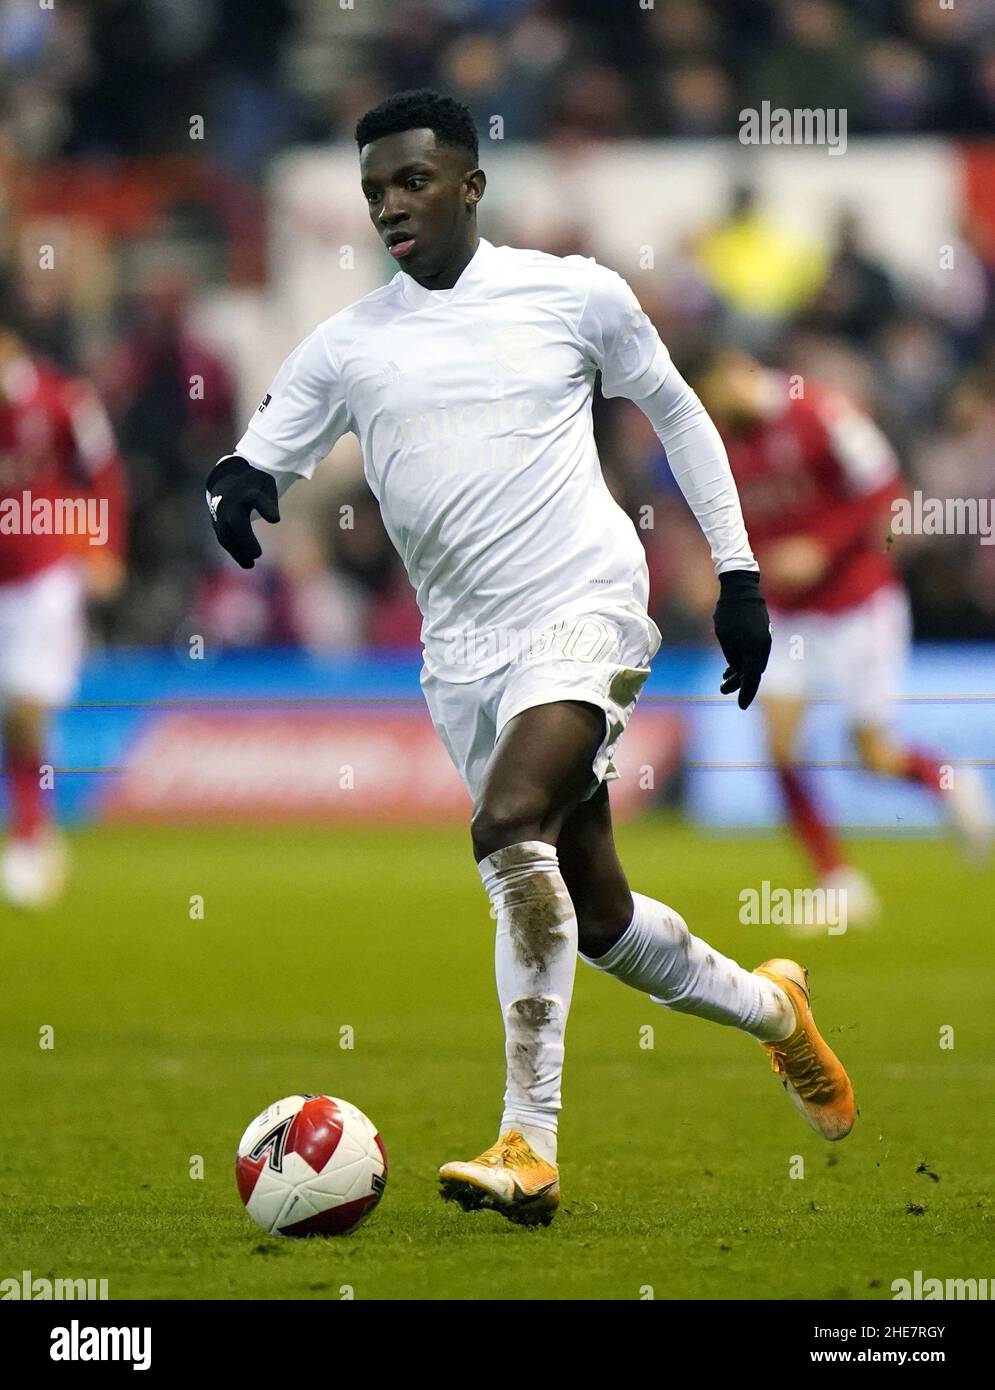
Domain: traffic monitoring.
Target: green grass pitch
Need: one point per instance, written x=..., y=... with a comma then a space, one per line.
x=171, y=1032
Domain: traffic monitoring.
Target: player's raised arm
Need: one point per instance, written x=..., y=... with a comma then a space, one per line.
x=635, y=363
x=299, y=419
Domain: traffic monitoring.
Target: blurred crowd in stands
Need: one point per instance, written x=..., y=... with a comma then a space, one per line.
x=103, y=78
x=921, y=362
x=99, y=82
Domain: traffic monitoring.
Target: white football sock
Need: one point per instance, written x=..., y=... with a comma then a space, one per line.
x=658, y=955
x=535, y=959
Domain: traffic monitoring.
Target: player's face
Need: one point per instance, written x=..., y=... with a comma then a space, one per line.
x=420, y=195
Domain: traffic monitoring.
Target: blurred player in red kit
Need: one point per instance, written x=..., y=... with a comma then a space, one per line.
x=817, y=479
x=61, y=534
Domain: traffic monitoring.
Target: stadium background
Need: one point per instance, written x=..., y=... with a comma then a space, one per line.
x=185, y=250
x=193, y=171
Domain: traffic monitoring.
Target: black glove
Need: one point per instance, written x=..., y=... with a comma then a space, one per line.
x=742, y=625
x=234, y=491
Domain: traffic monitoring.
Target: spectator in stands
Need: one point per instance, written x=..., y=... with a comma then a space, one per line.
x=172, y=402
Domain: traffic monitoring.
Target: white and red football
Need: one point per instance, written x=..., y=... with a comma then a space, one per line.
x=310, y=1166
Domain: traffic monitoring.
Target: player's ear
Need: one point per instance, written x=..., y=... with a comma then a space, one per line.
x=475, y=183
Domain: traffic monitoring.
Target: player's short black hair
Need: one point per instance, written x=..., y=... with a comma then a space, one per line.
x=421, y=109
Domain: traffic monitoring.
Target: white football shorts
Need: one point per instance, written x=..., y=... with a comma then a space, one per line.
x=42, y=635
x=858, y=655
x=601, y=658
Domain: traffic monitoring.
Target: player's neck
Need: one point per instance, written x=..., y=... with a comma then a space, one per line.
x=446, y=278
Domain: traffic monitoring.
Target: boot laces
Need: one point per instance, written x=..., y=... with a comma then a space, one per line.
x=795, y=1059
x=511, y=1151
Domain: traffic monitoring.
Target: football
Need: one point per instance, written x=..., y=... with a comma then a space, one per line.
x=310, y=1165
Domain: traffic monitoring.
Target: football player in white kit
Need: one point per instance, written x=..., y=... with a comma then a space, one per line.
x=468, y=380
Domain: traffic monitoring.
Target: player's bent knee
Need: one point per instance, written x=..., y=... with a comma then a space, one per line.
x=499, y=822
x=23, y=728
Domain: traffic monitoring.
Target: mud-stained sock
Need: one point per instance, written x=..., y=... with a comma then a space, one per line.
x=543, y=1141
x=535, y=959
x=658, y=955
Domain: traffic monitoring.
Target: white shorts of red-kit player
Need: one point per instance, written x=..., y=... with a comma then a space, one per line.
x=857, y=656
x=42, y=635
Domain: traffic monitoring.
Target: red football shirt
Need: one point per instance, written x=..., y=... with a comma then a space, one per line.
x=819, y=467
x=56, y=444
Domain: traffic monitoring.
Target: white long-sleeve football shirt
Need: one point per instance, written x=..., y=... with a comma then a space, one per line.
x=472, y=407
